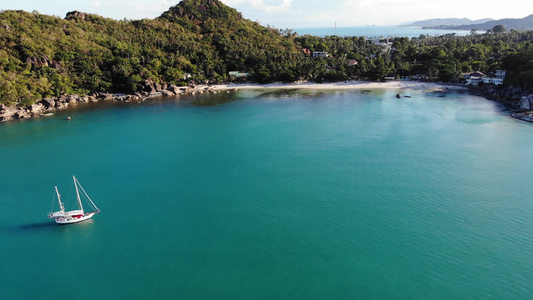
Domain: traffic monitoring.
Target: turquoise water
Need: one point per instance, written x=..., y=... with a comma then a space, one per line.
x=277, y=195
x=378, y=31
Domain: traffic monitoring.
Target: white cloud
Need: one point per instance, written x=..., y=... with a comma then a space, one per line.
x=268, y=6
x=299, y=13
x=144, y=9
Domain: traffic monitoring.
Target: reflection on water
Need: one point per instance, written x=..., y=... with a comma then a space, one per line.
x=37, y=226
x=51, y=224
x=212, y=100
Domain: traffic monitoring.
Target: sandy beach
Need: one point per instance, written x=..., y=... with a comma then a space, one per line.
x=47, y=106
x=396, y=84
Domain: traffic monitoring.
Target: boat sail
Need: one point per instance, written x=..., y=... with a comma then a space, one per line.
x=77, y=215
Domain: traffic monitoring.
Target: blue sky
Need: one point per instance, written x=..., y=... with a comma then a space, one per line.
x=298, y=13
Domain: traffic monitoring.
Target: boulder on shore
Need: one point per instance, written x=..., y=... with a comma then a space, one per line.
x=106, y=96
x=7, y=113
x=37, y=108
x=149, y=86
x=526, y=103
x=48, y=102
x=167, y=93
x=174, y=88
x=73, y=99
x=21, y=114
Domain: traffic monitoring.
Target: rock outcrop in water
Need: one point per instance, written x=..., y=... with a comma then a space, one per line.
x=518, y=99
x=511, y=96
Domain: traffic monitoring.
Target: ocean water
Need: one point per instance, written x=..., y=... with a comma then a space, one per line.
x=377, y=31
x=295, y=194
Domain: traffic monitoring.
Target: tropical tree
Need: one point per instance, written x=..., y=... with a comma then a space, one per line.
x=498, y=29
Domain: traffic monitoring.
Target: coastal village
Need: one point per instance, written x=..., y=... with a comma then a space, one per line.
x=485, y=84
x=37, y=83
x=46, y=107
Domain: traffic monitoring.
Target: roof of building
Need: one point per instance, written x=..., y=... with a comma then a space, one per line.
x=238, y=74
x=352, y=62
x=477, y=74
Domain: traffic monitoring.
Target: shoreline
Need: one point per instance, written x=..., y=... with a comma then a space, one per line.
x=47, y=107
x=394, y=84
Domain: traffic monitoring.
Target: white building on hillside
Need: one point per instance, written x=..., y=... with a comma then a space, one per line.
x=494, y=78
x=320, y=54
x=497, y=78
x=387, y=46
x=474, y=78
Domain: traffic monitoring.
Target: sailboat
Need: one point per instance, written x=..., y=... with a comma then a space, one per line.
x=77, y=215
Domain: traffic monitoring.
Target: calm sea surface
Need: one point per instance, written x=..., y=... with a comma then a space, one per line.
x=378, y=31
x=276, y=195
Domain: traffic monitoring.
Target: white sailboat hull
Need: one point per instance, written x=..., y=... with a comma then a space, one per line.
x=73, y=218
x=77, y=215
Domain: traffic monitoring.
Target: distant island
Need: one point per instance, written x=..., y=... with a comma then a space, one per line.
x=444, y=22
x=509, y=24
x=46, y=60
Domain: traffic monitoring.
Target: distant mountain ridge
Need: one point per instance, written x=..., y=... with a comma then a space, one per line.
x=516, y=24
x=445, y=22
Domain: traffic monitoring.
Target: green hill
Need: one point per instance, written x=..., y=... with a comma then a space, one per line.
x=236, y=43
x=43, y=56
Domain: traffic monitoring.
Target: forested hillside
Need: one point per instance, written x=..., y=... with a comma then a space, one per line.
x=43, y=56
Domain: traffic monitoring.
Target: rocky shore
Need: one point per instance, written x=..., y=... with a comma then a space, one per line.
x=520, y=101
x=48, y=106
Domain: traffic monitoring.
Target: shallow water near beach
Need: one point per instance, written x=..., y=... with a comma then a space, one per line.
x=300, y=194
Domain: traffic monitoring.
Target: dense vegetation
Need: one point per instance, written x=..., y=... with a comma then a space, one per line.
x=443, y=58
x=42, y=56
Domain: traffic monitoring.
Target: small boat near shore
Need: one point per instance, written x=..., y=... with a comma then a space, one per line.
x=76, y=215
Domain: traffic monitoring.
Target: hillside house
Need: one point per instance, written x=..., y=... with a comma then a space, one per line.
x=352, y=62
x=238, y=76
x=475, y=78
x=497, y=78
x=320, y=54
x=390, y=76
x=387, y=46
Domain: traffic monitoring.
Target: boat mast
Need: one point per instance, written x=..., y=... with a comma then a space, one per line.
x=77, y=192
x=59, y=199
x=89, y=198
